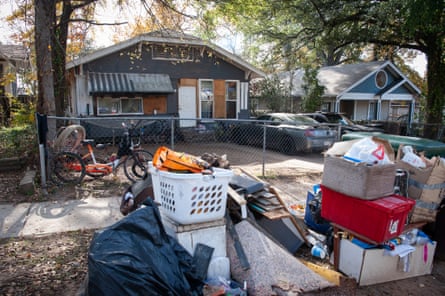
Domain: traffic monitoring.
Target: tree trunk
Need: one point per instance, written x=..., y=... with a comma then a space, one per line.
x=435, y=100
x=59, y=59
x=44, y=27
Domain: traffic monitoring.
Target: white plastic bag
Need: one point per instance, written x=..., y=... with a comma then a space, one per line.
x=410, y=157
x=366, y=150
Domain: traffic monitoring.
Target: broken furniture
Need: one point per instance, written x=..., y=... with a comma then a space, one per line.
x=369, y=266
x=268, y=210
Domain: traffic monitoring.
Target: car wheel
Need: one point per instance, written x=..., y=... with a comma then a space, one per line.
x=287, y=146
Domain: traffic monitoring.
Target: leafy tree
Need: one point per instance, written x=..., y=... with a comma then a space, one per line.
x=338, y=32
x=271, y=93
x=312, y=91
x=59, y=31
x=413, y=25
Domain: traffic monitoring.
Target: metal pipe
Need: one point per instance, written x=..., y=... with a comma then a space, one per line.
x=43, y=169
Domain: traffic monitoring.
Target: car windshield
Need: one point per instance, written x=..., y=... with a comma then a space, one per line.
x=297, y=119
x=338, y=118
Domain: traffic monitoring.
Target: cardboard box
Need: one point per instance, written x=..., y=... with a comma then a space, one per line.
x=427, y=187
x=372, y=266
x=358, y=179
x=376, y=220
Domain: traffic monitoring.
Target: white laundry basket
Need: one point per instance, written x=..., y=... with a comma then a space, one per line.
x=191, y=198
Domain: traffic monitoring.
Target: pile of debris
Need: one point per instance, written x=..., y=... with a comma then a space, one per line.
x=244, y=237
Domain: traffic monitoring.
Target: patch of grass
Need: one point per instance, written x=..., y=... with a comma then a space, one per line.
x=19, y=141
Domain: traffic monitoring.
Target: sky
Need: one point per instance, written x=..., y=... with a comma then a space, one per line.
x=103, y=35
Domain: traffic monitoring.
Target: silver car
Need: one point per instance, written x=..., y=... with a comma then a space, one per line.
x=286, y=132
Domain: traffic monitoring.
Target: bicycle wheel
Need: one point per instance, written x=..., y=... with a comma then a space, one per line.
x=70, y=138
x=68, y=167
x=136, y=165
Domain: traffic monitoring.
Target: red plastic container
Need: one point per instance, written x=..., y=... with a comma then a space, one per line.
x=378, y=220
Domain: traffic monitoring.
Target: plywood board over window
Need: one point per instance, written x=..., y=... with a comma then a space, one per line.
x=188, y=82
x=155, y=102
x=220, y=99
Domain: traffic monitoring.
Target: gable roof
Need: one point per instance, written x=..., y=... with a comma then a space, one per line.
x=13, y=52
x=339, y=79
x=172, y=38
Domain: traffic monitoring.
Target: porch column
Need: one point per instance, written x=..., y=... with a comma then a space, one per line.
x=337, y=105
x=379, y=107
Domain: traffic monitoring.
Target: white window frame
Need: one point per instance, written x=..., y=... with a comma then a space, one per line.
x=237, y=96
x=381, y=72
x=206, y=98
x=119, y=111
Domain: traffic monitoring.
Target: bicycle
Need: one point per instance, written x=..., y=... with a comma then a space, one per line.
x=70, y=166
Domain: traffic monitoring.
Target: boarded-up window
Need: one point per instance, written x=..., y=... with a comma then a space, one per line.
x=155, y=105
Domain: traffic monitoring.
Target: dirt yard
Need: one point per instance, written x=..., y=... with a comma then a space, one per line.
x=57, y=264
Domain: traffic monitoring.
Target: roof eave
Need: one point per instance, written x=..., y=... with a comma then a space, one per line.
x=249, y=69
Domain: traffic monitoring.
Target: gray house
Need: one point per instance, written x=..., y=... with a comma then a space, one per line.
x=363, y=91
x=162, y=72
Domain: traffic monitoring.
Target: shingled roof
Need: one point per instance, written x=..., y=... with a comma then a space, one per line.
x=13, y=52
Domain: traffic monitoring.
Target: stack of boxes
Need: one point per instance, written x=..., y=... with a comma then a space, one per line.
x=193, y=208
x=359, y=198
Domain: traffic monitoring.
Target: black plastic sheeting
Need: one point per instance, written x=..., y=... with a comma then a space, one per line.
x=135, y=256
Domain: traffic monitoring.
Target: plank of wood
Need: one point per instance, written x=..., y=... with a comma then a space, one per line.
x=264, y=194
x=266, y=207
x=236, y=196
x=301, y=230
x=273, y=190
x=329, y=274
x=276, y=214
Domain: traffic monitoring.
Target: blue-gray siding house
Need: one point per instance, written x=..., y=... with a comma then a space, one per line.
x=363, y=91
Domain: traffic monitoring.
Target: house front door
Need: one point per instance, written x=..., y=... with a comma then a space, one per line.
x=187, y=105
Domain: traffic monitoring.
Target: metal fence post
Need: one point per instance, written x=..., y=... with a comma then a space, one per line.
x=264, y=151
x=172, y=133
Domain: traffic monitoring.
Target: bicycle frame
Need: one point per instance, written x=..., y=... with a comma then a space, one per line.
x=95, y=167
x=130, y=155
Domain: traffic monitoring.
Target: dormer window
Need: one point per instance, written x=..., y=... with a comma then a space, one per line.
x=381, y=78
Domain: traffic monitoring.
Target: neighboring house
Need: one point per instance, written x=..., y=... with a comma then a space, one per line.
x=162, y=72
x=14, y=62
x=363, y=91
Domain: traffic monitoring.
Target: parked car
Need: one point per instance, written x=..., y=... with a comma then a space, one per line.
x=285, y=132
x=335, y=119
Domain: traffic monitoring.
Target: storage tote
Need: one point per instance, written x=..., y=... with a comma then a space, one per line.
x=377, y=220
x=189, y=198
x=358, y=179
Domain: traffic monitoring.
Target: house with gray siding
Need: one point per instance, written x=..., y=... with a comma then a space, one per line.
x=162, y=72
x=363, y=91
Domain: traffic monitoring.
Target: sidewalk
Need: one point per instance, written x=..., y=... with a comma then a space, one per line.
x=52, y=216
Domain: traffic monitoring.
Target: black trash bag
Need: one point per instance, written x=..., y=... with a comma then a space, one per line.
x=135, y=256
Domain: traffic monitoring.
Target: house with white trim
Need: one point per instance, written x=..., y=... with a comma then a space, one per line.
x=162, y=72
x=363, y=91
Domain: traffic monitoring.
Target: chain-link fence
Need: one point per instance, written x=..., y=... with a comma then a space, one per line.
x=241, y=142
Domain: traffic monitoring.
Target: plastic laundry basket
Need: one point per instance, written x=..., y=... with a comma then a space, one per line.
x=188, y=198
